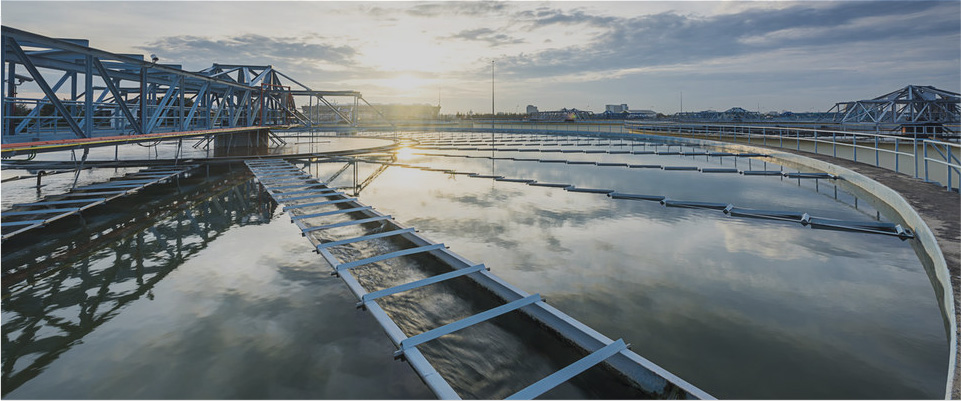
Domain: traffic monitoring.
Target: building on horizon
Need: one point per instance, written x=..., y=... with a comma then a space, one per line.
x=616, y=108
x=564, y=114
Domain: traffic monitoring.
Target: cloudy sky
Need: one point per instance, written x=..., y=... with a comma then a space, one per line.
x=801, y=56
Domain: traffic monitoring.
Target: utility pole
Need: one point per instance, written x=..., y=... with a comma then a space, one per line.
x=492, y=102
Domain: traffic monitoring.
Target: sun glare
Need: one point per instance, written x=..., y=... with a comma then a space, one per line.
x=405, y=153
x=406, y=82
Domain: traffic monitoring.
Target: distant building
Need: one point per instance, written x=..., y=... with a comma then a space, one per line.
x=616, y=108
x=621, y=112
x=531, y=109
x=732, y=114
x=633, y=114
x=562, y=115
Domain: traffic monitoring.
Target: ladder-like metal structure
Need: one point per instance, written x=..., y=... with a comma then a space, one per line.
x=28, y=216
x=288, y=184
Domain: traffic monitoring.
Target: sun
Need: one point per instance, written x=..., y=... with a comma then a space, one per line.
x=406, y=82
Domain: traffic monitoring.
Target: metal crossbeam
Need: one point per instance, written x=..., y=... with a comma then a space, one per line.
x=546, y=384
x=289, y=173
x=378, y=258
x=330, y=213
x=63, y=202
x=94, y=193
x=305, y=184
x=319, y=195
x=282, y=180
x=347, y=223
x=280, y=196
x=286, y=208
x=108, y=186
x=364, y=238
x=424, y=337
x=370, y=296
x=282, y=173
x=21, y=223
x=40, y=211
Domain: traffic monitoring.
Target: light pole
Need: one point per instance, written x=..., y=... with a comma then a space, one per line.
x=492, y=103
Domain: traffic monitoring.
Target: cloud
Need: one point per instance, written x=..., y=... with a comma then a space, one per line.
x=544, y=17
x=487, y=35
x=249, y=49
x=465, y=8
x=670, y=38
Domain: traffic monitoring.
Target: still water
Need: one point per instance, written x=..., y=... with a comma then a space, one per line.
x=202, y=289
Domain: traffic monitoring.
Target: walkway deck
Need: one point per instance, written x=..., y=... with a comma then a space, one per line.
x=20, y=148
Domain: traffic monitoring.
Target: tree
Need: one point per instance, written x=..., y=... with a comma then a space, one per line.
x=20, y=110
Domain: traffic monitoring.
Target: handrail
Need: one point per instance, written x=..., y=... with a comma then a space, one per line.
x=945, y=153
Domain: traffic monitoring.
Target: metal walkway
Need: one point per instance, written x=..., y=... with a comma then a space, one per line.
x=27, y=216
x=286, y=184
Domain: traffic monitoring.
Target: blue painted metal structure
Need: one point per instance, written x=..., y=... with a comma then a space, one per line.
x=85, y=93
x=643, y=373
x=28, y=216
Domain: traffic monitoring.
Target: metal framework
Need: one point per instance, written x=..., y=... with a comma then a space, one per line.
x=913, y=105
x=83, y=92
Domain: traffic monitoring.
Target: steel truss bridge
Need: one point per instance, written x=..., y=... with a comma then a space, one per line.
x=86, y=93
x=909, y=106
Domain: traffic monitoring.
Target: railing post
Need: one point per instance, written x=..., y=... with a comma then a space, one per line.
x=877, y=153
x=924, y=145
x=947, y=165
x=897, y=156
x=834, y=143
x=916, y=173
x=815, y=141
x=855, y=146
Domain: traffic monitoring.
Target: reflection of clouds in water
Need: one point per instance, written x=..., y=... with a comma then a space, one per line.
x=769, y=242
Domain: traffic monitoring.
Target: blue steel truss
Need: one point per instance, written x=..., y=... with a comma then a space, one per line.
x=83, y=92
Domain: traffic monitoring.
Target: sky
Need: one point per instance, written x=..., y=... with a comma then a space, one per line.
x=758, y=55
